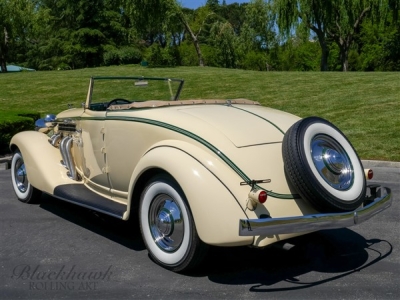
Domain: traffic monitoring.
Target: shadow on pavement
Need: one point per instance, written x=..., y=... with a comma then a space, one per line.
x=126, y=233
x=333, y=254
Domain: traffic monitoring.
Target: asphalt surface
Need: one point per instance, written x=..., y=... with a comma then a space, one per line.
x=59, y=251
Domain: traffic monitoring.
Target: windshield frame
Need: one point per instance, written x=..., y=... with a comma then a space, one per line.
x=94, y=79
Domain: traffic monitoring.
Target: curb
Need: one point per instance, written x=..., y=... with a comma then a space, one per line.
x=380, y=164
x=6, y=160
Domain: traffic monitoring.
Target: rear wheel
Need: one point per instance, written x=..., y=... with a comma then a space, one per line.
x=167, y=226
x=24, y=191
x=323, y=166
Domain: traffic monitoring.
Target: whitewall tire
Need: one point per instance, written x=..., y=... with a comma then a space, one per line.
x=167, y=225
x=323, y=166
x=24, y=191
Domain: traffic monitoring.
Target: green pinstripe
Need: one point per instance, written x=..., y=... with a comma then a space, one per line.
x=197, y=138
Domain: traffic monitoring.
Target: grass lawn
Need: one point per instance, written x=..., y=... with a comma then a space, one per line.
x=365, y=106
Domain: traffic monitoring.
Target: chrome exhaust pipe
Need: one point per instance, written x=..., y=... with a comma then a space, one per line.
x=63, y=152
x=71, y=166
x=55, y=139
x=68, y=162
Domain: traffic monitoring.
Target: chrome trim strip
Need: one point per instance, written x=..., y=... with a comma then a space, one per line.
x=272, y=226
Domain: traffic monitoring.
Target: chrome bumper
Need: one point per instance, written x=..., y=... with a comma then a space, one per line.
x=271, y=226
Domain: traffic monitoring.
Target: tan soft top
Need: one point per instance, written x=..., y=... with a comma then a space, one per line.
x=160, y=103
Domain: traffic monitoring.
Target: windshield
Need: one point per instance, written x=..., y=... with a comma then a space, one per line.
x=105, y=89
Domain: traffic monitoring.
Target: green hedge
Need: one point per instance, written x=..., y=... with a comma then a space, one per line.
x=12, y=124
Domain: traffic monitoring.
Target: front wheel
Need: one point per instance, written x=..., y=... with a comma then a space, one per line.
x=167, y=226
x=24, y=191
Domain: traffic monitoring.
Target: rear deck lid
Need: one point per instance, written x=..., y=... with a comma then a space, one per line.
x=241, y=127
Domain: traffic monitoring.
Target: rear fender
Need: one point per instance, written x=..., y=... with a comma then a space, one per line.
x=213, y=203
x=42, y=160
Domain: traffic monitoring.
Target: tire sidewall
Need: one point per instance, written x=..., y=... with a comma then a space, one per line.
x=22, y=196
x=165, y=258
x=322, y=127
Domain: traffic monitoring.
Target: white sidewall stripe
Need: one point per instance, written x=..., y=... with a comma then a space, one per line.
x=20, y=194
x=165, y=257
x=355, y=190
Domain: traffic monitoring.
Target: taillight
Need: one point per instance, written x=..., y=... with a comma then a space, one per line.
x=369, y=174
x=256, y=196
x=262, y=197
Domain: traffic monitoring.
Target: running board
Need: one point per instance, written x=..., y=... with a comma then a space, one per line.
x=80, y=195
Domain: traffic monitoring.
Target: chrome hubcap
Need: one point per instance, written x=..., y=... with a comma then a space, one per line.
x=166, y=223
x=21, y=179
x=332, y=162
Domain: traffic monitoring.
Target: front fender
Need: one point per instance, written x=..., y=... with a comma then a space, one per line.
x=42, y=160
x=214, y=204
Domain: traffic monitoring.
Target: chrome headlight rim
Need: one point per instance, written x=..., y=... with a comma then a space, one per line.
x=47, y=122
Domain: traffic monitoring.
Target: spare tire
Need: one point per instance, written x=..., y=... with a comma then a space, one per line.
x=323, y=166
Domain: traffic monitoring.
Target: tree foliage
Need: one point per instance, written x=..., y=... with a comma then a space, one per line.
x=260, y=35
x=337, y=20
x=15, y=22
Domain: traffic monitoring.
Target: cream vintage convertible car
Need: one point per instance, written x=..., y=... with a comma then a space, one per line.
x=195, y=172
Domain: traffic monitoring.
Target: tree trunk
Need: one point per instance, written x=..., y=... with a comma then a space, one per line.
x=198, y=51
x=195, y=41
x=344, y=48
x=324, y=47
x=3, y=52
x=344, y=58
x=324, y=57
x=344, y=42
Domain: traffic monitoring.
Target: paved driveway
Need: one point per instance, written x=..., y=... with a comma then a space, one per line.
x=59, y=251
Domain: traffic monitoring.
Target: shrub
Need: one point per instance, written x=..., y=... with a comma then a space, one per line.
x=162, y=57
x=188, y=54
x=111, y=58
x=122, y=56
x=129, y=55
x=21, y=123
x=254, y=61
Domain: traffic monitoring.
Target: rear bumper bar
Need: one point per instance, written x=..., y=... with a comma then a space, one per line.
x=270, y=226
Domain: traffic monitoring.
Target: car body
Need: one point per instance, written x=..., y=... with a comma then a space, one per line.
x=195, y=172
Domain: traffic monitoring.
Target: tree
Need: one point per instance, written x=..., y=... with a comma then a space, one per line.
x=71, y=34
x=339, y=20
x=314, y=14
x=225, y=41
x=213, y=5
x=156, y=17
x=195, y=27
x=259, y=18
x=347, y=18
x=235, y=14
x=15, y=16
x=379, y=48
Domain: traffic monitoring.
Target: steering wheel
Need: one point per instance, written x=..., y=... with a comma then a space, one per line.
x=118, y=101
